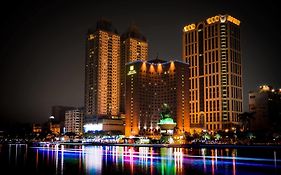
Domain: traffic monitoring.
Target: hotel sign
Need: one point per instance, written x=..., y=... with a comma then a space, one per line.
x=213, y=19
x=233, y=20
x=223, y=19
x=189, y=27
x=132, y=71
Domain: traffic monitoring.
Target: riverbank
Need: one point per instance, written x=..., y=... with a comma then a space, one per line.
x=212, y=146
x=193, y=145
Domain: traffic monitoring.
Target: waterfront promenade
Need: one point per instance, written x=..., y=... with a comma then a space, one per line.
x=193, y=145
x=264, y=146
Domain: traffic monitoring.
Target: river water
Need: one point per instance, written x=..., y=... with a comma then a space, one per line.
x=72, y=160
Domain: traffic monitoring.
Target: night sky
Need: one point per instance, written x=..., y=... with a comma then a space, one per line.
x=42, y=51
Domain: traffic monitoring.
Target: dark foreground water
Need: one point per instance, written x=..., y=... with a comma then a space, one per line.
x=21, y=159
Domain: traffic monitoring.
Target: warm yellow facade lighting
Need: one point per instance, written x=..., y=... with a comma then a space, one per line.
x=143, y=67
x=159, y=68
x=172, y=66
x=151, y=69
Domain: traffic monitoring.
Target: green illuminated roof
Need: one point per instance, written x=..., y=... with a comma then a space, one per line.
x=167, y=121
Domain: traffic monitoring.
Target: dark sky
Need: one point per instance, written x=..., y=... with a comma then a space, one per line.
x=42, y=49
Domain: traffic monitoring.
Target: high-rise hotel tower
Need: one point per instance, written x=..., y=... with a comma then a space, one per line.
x=134, y=47
x=102, y=74
x=212, y=49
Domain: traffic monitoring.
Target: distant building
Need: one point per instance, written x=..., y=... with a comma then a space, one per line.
x=55, y=128
x=74, y=120
x=36, y=128
x=102, y=71
x=134, y=47
x=54, y=125
x=212, y=49
x=58, y=112
x=150, y=84
x=266, y=105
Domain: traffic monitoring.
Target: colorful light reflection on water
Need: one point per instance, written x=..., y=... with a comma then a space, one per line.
x=139, y=160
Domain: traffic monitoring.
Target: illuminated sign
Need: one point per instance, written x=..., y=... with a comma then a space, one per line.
x=93, y=127
x=223, y=19
x=233, y=20
x=132, y=71
x=213, y=19
x=189, y=27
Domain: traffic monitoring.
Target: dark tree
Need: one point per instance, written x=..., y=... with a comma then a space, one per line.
x=245, y=120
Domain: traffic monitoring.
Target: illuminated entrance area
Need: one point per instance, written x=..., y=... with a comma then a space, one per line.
x=167, y=125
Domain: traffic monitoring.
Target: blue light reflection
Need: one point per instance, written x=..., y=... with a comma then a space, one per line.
x=149, y=160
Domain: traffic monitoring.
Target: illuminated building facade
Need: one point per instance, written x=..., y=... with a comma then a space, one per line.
x=74, y=121
x=55, y=128
x=53, y=125
x=102, y=71
x=212, y=49
x=133, y=47
x=150, y=84
x=105, y=124
x=36, y=128
x=266, y=107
